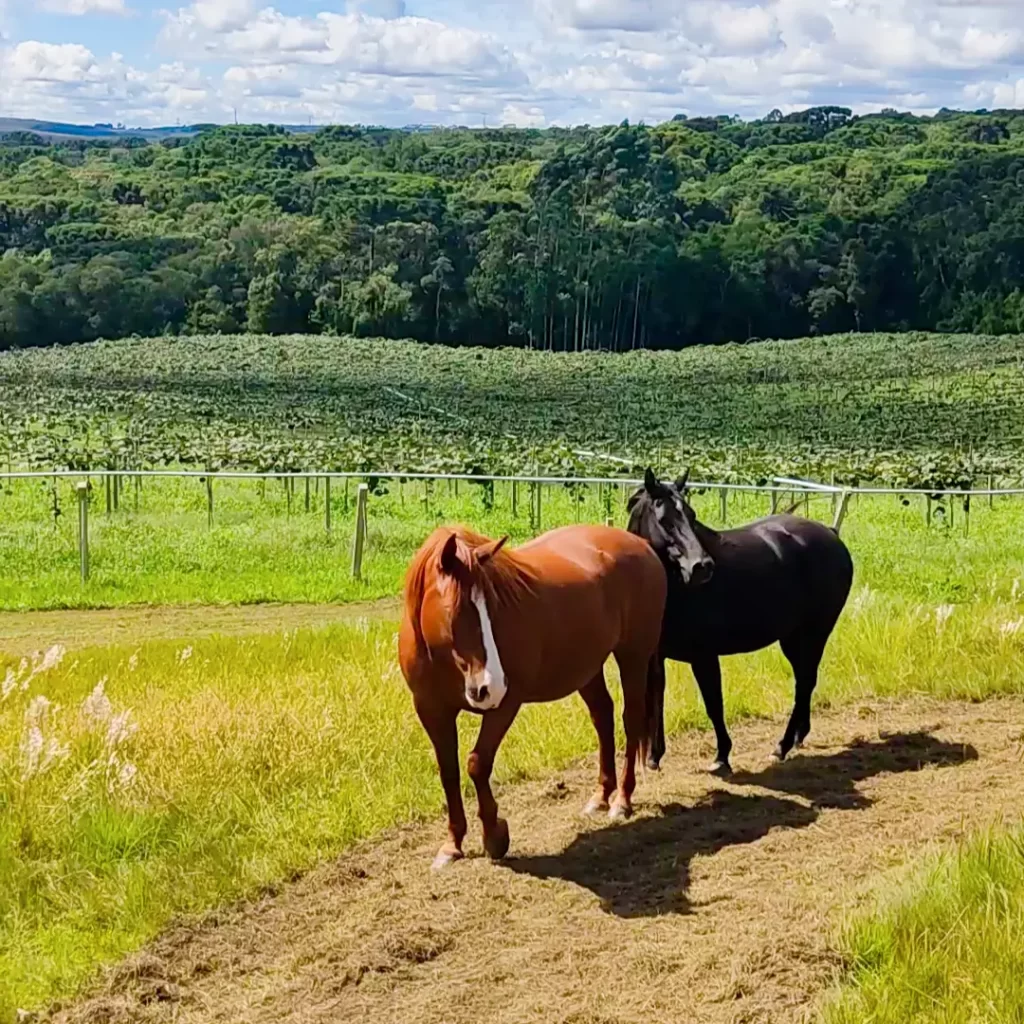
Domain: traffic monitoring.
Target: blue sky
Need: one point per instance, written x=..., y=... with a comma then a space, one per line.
x=526, y=62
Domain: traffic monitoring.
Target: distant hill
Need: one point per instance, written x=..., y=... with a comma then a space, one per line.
x=59, y=130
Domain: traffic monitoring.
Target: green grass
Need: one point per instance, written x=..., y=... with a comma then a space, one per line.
x=261, y=550
x=255, y=758
x=945, y=946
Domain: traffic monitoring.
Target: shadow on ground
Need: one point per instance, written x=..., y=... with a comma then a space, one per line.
x=831, y=781
x=642, y=868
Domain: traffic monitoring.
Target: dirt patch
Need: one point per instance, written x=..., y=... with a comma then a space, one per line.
x=24, y=632
x=715, y=903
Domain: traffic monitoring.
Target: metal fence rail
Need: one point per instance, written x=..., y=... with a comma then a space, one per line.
x=804, y=490
x=781, y=485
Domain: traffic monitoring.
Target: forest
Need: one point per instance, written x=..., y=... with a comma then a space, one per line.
x=699, y=230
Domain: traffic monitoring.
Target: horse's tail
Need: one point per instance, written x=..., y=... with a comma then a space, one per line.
x=649, y=707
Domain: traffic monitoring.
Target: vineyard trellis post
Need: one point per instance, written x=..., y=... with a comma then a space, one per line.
x=359, y=540
x=83, y=529
x=844, y=505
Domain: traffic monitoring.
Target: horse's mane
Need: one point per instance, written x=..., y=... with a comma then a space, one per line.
x=505, y=576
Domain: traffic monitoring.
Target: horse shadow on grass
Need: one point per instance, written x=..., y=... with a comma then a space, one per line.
x=642, y=868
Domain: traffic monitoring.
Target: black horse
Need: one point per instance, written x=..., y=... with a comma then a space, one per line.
x=782, y=579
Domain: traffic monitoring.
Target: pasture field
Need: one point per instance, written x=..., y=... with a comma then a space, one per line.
x=202, y=771
x=265, y=547
x=164, y=772
x=906, y=410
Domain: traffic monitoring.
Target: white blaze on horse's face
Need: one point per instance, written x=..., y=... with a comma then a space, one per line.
x=486, y=686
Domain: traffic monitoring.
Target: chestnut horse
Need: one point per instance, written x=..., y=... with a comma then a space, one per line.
x=487, y=629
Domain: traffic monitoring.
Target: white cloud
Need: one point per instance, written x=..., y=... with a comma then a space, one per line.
x=525, y=61
x=83, y=7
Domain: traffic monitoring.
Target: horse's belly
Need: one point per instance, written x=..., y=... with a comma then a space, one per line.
x=690, y=636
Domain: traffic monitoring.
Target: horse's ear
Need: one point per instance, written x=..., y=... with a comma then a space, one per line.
x=651, y=483
x=449, y=560
x=682, y=482
x=488, y=551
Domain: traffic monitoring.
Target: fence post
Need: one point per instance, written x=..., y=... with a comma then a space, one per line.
x=307, y=493
x=515, y=499
x=991, y=488
x=844, y=504
x=967, y=511
x=110, y=498
x=83, y=529
x=775, y=501
x=359, y=540
x=928, y=510
x=722, y=504
x=540, y=491
x=327, y=504
x=209, y=502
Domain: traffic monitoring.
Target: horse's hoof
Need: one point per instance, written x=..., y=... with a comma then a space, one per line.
x=720, y=768
x=445, y=858
x=597, y=805
x=496, y=842
x=653, y=764
x=620, y=811
x=778, y=755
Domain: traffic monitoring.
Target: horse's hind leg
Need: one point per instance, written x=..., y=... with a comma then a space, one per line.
x=804, y=653
x=481, y=762
x=602, y=713
x=708, y=673
x=633, y=672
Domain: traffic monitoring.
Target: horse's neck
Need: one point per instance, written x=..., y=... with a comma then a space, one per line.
x=511, y=581
x=708, y=537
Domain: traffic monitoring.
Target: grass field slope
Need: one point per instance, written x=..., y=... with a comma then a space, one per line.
x=231, y=809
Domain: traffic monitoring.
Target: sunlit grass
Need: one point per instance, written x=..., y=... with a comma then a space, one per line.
x=240, y=761
x=945, y=946
x=265, y=546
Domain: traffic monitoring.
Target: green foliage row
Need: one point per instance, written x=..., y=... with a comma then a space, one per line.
x=912, y=410
x=698, y=230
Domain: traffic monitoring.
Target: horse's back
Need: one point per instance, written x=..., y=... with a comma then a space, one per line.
x=774, y=577
x=603, y=575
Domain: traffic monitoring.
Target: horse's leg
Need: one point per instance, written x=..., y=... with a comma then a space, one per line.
x=441, y=728
x=656, y=711
x=633, y=672
x=602, y=713
x=481, y=762
x=804, y=653
x=707, y=670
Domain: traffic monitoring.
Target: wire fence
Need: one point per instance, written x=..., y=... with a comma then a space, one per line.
x=113, y=482
x=778, y=484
